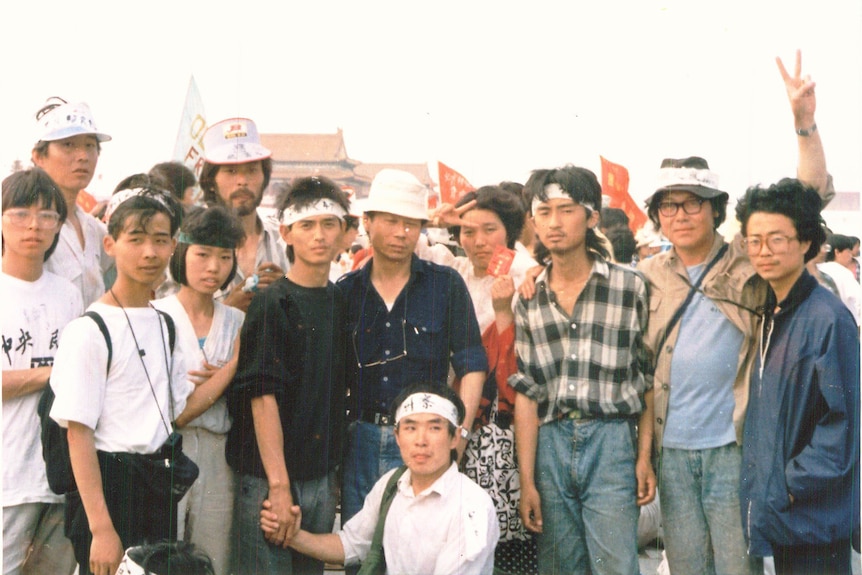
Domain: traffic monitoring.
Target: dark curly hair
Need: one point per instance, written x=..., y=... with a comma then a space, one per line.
x=582, y=186
x=792, y=198
x=506, y=205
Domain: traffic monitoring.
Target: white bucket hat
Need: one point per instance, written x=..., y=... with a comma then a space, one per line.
x=67, y=120
x=233, y=141
x=398, y=192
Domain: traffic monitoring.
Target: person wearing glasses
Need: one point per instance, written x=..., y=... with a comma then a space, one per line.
x=37, y=306
x=68, y=150
x=800, y=459
x=287, y=397
x=705, y=302
x=408, y=321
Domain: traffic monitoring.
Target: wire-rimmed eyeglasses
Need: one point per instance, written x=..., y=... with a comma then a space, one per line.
x=381, y=361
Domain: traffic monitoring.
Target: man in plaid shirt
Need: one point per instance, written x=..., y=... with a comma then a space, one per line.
x=583, y=421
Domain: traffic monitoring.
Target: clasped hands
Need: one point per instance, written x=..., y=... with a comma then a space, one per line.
x=280, y=520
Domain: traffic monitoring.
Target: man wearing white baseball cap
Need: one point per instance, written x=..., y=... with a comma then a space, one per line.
x=235, y=173
x=408, y=320
x=68, y=148
x=425, y=517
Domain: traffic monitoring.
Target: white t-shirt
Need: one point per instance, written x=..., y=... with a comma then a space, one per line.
x=451, y=527
x=480, y=287
x=120, y=408
x=84, y=267
x=218, y=349
x=848, y=288
x=34, y=315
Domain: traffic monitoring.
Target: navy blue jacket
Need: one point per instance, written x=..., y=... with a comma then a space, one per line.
x=801, y=433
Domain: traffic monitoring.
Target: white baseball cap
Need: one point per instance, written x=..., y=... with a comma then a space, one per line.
x=67, y=120
x=398, y=192
x=233, y=141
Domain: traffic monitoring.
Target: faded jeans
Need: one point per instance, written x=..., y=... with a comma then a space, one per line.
x=699, y=492
x=585, y=474
x=371, y=452
x=254, y=555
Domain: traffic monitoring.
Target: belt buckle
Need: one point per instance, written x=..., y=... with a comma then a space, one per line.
x=382, y=419
x=575, y=414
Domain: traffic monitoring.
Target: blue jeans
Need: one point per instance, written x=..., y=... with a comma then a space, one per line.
x=699, y=492
x=371, y=452
x=254, y=555
x=585, y=474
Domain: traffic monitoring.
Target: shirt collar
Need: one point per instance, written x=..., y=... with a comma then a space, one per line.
x=417, y=266
x=800, y=291
x=443, y=486
x=600, y=267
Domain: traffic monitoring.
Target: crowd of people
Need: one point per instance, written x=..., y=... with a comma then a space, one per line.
x=512, y=403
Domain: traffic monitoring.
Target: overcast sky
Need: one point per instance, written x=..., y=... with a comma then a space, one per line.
x=494, y=89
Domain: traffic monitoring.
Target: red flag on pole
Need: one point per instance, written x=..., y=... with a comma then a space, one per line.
x=615, y=185
x=86, y=201
x=452, y=184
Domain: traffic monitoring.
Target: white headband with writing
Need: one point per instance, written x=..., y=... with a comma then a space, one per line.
x=124, y=195
x=322, y=207
x=129, y=567
x=556, y=192
x=427, y=403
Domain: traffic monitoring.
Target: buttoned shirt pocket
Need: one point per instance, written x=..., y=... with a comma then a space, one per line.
x=425, y=335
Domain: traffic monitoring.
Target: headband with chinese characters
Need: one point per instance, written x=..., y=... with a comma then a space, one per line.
x=124, y=195
x=556, y=192
x=322, y=207
x=427, y=403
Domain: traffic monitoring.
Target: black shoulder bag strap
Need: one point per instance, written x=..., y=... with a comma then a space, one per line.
x=375, y=562
x=694, y=288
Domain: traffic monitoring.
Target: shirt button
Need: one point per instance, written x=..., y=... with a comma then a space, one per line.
x=571, y=387
x=574, y=356
x=424, y=329
x=665, y=387
x=669, y=348
x=574, y=326
x=658, y=420
x=386, y=352
x=385, y=378
x=388, y=324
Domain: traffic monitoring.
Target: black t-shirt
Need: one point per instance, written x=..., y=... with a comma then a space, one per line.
x=292, y=346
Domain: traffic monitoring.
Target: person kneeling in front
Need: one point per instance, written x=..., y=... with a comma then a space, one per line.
x=424, y=517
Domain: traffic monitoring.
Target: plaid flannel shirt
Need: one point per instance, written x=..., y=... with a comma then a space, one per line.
x=594, y=361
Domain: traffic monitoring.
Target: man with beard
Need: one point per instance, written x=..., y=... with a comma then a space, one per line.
x=235, y=173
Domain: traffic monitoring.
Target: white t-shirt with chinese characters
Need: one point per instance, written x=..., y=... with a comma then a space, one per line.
x=449, y=528
x=119, y=406
x=34, y=315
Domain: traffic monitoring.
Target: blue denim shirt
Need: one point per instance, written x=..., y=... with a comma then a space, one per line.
x=431, y=324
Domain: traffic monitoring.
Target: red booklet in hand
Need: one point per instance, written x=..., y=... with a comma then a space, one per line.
x=501, y=261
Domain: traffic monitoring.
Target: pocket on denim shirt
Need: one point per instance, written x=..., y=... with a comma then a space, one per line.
x=424, y=332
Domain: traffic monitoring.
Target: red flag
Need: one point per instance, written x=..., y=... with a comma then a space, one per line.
x=86, y=201
x=452, y=184
x=615, y=185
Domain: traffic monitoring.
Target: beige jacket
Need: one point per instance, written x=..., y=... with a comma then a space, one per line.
x=732, y=279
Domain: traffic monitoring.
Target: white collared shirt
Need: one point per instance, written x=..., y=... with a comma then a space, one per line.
x=449, y=528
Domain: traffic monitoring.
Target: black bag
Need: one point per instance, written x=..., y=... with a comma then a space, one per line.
x=167, y=471
x=55, y=444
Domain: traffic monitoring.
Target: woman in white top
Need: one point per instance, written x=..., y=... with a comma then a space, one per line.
x=487, y=224
x=204, y=262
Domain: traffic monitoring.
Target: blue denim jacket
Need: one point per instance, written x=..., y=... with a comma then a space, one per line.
x=432, y=323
